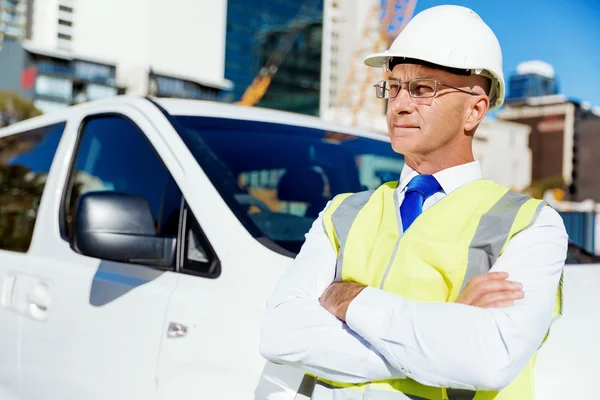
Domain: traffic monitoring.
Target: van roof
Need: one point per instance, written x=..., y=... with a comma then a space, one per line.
x=225, y=110
x=198, y=108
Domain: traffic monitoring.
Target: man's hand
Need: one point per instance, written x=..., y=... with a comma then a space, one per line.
x=337, y=297
x=490, y=291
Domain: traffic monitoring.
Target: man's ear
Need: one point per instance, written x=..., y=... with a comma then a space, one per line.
x=476, y=112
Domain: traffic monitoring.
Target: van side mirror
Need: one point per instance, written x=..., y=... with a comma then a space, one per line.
x=119, y=227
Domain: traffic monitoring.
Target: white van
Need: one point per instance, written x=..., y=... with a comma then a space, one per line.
x=140, y=239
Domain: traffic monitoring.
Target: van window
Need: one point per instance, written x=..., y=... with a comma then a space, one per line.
x=199, y=258
x=277, y=178
x=25, y=160
x=114, y=155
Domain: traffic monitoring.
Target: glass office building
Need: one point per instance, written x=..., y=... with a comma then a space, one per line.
x=253, y=34
x=531, y=85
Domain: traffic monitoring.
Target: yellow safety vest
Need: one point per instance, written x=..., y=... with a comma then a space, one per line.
x=456, y=239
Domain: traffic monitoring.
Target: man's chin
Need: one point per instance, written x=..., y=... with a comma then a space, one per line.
x=402, y=145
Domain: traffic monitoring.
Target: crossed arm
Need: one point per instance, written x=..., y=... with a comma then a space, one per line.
x=348, y=333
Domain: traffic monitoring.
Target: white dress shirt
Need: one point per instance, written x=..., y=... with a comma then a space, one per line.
x=438, y=344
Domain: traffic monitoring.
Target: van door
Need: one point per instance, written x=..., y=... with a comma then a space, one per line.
x=98, y=332
x=25, y=160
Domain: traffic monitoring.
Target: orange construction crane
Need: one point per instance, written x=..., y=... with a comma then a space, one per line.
x=255, y=92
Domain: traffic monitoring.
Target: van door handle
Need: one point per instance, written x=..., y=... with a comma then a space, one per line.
x=6, y=291
x=39, y=301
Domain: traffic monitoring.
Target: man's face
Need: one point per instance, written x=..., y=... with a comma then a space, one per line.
x=419, y=126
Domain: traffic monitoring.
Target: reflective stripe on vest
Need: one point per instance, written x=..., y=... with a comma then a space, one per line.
x=471, y=226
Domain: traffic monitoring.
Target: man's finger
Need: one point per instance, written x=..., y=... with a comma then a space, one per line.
x=495, y=297
x=496, y=275
x=495, y=285
x=487, y=277
x=492, y=286
x=500, y=304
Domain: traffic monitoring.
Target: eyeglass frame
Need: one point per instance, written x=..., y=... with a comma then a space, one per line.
x=435, y=91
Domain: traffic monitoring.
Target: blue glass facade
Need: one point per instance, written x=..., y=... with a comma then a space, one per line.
x=77, y=69
x=167, y=86
x=531, y=85
x=253, y=31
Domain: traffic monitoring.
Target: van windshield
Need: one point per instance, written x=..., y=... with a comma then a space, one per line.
x=277, y=178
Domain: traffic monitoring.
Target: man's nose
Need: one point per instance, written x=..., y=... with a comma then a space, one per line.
x=402, y=103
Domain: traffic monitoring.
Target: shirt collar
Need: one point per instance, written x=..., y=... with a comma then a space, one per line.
x=449, y=179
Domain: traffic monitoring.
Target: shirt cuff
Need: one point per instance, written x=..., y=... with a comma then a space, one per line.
x=371, y=312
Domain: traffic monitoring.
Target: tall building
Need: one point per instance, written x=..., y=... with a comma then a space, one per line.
x=52, y=23
x=256, y=31
x=344, y=23
x=533, y=78
x=351, y=31
x=562, y=141
x=296, y=85
x=174, y=51
x=13, y=19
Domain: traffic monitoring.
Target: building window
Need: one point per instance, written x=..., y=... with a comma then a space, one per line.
x=94, y=92
x=65, y=22
x=59, y=88
x=11, y=4
x=65, y=9
x=94, y=72
x=54, y=67
x=64, y=37
x=13, y=31
x=178, y=88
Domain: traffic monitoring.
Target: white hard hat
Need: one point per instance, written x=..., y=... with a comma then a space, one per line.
x=453, y=37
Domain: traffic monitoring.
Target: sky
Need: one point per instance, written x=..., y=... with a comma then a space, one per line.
x=563, y=33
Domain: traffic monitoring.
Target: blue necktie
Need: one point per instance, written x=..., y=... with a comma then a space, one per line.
x=419, y=189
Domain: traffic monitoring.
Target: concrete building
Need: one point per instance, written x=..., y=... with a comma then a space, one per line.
x=564, y=131
x=343, y=23
x=55, y=79
x=503, y=150
x=562, y=140
x=586, y=182
x=172, y=50
x=351, y=31
x=52, y=24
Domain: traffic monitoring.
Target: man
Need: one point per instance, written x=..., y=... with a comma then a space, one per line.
x=403, y=293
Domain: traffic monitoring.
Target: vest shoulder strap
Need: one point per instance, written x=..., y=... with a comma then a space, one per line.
x=338, y=217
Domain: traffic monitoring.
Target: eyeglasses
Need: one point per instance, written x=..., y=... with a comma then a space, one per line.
x=417, y=88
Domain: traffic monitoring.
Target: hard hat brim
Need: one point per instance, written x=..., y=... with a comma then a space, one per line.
x=377, y=60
